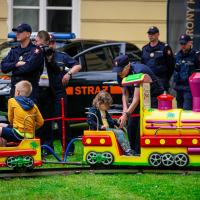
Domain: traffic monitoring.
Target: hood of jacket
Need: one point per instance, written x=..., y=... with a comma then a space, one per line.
x=24, y=102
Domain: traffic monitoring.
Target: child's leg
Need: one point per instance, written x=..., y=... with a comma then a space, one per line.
x=3, y=125
x=121, y=138
x=2, y=140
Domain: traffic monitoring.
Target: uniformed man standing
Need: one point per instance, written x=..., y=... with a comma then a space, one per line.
x=159, y=57
x=24, y=61
x=60, y=68
x=187, y=61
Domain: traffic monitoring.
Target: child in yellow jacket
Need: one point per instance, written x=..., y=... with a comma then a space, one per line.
x=23, y=115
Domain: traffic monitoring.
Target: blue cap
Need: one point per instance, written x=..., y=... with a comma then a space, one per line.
x=184, y=39
x=153, y=30
x=120, y=62
x=22, y=27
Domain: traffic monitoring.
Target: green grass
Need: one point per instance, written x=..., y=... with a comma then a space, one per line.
x=86, y=186
x=106, y=187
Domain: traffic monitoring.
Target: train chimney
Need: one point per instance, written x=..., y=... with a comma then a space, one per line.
x=165, y=101
x=194, y=81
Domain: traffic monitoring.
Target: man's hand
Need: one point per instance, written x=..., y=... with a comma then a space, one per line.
x=20, y=63
x=49, y=58
x=65, y=79
x=122, y=120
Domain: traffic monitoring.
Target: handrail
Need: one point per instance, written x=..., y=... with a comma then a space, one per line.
x=90, y=113
x=163, y=128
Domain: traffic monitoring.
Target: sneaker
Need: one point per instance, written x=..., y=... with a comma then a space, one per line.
x=128, y=153
x=70, y=153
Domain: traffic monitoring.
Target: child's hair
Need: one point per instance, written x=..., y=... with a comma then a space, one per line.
x=24, y=87
x=102, y=98
x=44, y=35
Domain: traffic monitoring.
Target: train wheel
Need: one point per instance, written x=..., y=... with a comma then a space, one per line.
x=181, y=159
x=167, y=159
x=91, y=158
x=28, y=161
x=155, y=159
x=107, y=158
x=11, y=162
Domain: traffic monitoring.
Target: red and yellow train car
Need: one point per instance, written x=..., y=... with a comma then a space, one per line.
x=168, y=137
x=26, y=154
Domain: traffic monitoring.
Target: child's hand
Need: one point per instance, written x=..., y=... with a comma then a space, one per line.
x=116, y=127
x=103, y=127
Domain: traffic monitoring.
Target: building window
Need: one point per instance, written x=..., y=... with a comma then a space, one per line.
x=50, y=15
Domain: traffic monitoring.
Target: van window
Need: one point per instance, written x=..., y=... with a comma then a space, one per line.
x=99, y=60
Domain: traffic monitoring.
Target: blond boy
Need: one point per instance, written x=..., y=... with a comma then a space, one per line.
x=23, y=115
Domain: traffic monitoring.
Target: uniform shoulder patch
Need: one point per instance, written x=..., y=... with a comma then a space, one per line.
x=37, y=50
x=169, y=52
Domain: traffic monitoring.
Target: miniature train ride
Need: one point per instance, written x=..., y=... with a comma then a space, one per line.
x=168, y=137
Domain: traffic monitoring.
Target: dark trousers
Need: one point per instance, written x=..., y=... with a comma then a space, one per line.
x=184, y=99
x=51, y=107
x=133, y=127
x=133, y=130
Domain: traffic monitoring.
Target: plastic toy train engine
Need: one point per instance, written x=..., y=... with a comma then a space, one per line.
x=168, y=137
x=25, y=155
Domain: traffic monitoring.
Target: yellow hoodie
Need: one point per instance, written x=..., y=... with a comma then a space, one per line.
x=17, y=116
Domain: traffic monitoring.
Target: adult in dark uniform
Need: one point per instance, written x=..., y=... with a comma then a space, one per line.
x=187, y=61
x=131, y=97
x=60, y=68
x=24, y=61
x=159, y=57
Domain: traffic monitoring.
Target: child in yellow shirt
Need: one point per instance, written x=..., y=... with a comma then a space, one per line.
x=19, y=109
x=101, y=104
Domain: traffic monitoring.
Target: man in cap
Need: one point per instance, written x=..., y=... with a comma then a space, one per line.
x=24, y=61
x=124, y=68
x=158, y=56
x=187, y=60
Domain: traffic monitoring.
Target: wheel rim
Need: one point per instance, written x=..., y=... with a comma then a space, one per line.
x=181, y=160
x=155, y=159
x=91, y=158
x=167, y=159
x=107, y=158
x=11, y=162
x=28, y=161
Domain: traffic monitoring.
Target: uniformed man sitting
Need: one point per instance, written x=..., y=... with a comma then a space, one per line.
x=24, y=61
x=159, y=57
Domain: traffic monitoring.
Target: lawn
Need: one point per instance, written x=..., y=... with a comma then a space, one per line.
x=102, y=187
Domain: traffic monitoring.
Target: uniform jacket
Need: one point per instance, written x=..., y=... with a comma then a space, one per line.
x=92, y=121
x=160, y=59
x=30, y=71
x=18, y=108
x=156, y=86
x=186, y=63
x=57, y=69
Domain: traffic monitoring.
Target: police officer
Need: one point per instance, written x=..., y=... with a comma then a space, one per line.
x=24, y=61
x=131, y=96
x=159, y=57
x=187, y=60
x=60, y=68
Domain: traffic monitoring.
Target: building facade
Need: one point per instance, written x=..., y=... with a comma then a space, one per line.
x=126, y=20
